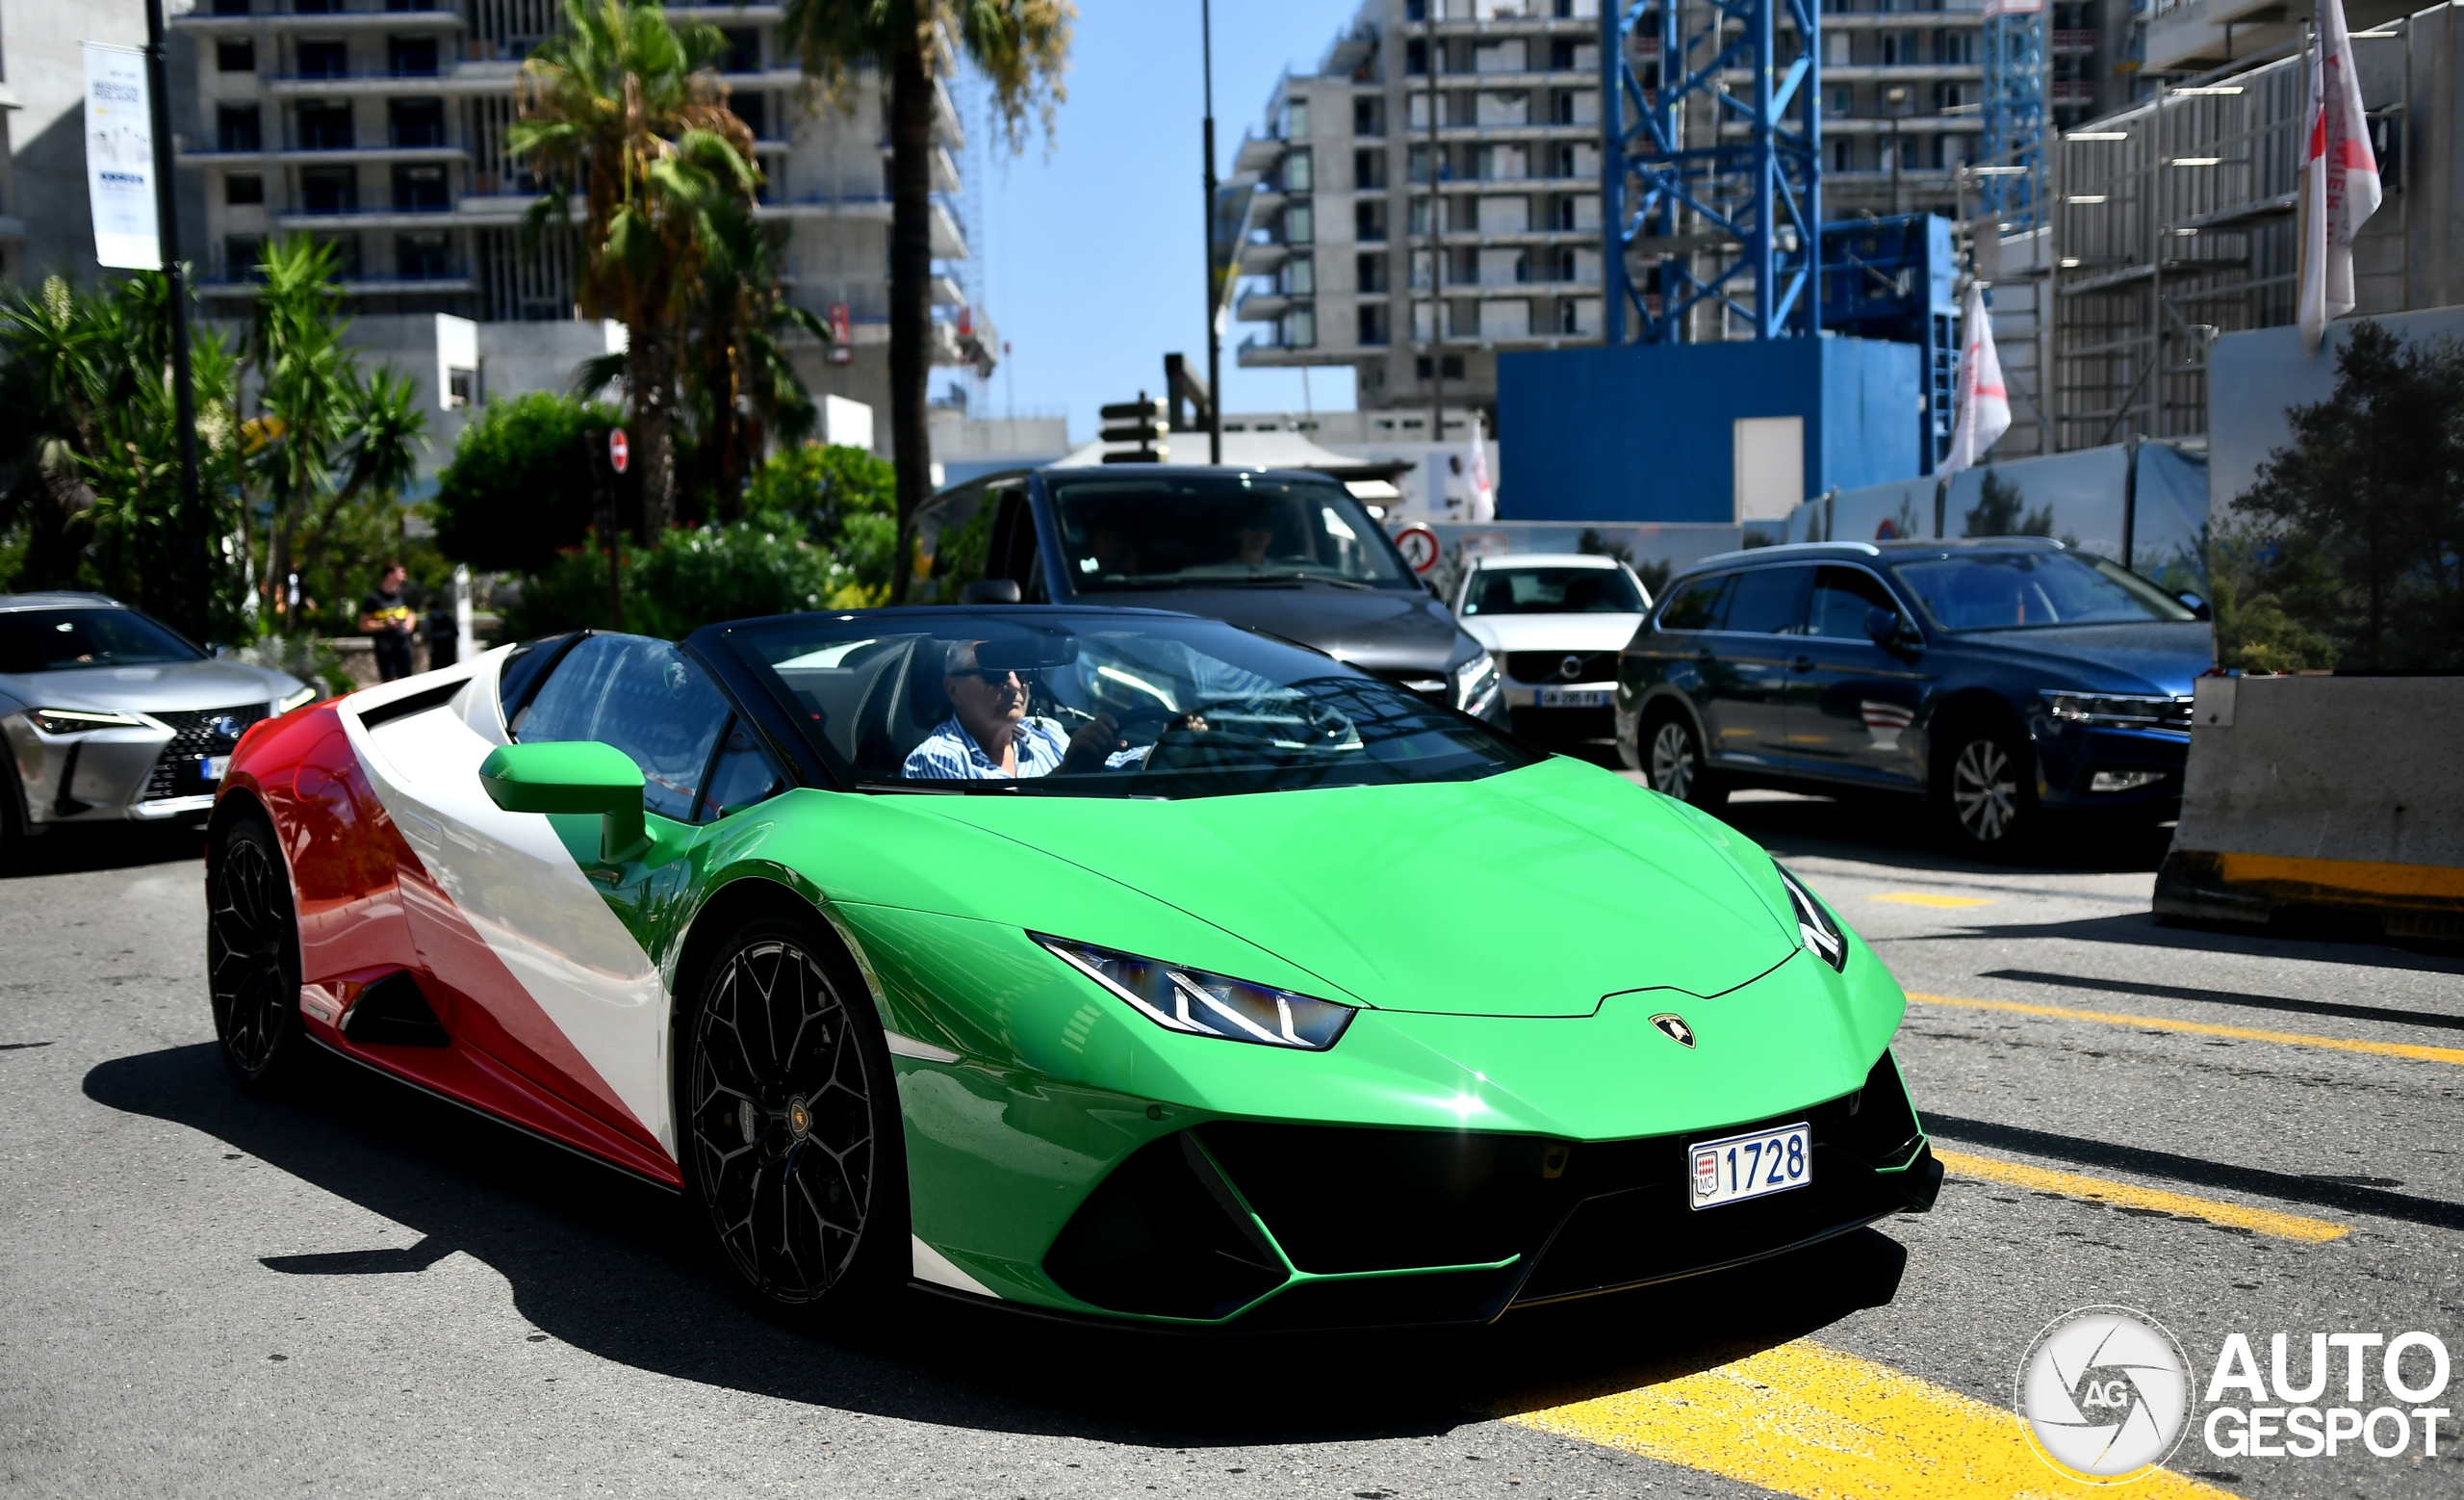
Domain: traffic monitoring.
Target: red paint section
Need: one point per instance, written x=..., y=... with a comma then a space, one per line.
x=367, y=906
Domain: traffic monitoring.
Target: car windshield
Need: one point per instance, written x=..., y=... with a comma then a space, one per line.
x=1553, y=591
x=65, y=640
x=2019, y=590
x=1099, y=704
x=1123, y=531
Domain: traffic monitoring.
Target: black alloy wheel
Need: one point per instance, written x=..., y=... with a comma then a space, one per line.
x=252, y=958
x=1673, y=758
x=791, y=1120
x=1988, y=788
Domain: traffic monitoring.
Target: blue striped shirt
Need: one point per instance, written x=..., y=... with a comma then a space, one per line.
x=951, y=753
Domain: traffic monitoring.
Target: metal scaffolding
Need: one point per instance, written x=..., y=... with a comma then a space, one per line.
x=1713, y=195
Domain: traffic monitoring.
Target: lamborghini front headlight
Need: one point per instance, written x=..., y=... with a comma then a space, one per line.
x=1815, y=928
x=1181, y=998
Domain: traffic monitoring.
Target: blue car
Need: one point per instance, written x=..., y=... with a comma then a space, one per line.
x=2000, y=680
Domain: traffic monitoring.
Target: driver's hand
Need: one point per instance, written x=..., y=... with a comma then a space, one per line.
x=1093, y=741
x=1193, y=721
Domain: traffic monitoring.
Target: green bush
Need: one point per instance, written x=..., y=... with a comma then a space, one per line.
x=841, y=499
x=518, y=489
x=692, y=578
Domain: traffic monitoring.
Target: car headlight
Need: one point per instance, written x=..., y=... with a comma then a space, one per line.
x=2119, y=710
x=1476, y=684
x=295, y=700
x=1204, y=1004
x=1815, y=927
x=78, y=721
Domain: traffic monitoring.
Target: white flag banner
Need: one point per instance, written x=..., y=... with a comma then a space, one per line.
x=1483, y=496
x=119, y=158
x=1984, y=411
x=2340, y=185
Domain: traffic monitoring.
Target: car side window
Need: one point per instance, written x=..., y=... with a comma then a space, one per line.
x=1842, y=596
x=742, y=776
x=646, y=698
x=1698, y=606
x=1768, y=602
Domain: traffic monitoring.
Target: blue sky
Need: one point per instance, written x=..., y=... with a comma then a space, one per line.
x=1096, y=262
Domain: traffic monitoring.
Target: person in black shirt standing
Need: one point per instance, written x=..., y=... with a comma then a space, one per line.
x=384, y=616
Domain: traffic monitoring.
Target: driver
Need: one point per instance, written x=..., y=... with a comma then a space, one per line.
x=989, y=737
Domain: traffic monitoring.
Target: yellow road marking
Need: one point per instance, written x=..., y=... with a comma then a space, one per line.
x=2121, y=1195
x=1811, y=1421
x=1929, y=898
x=2418, y=1053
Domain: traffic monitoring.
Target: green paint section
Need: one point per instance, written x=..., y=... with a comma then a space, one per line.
x=571, y=777
x=1512, y=938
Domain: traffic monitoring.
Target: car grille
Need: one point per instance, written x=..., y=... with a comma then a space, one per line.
x=196, y=734
x=1550, y=666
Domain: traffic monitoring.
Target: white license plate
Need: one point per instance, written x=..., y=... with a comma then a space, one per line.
x=1739, y=1167
x=1574, y=697
x=212, y=766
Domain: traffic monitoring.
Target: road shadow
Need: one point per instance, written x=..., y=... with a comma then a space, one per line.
x=2145, y=929
x=72, y=848
x=617, y=1268
x=1902, y=832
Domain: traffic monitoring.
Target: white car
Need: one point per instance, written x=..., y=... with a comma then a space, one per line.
x=1555, y=623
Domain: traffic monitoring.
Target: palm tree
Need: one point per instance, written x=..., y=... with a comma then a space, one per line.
x=745, y=389
x=629, y=110
x=1021, y=47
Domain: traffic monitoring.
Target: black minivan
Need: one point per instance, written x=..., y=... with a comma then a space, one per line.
x=2000, y=679
x=1292, y=553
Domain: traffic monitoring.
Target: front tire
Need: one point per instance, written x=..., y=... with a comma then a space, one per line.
x=790, y=1124
x=1673, y=759
x=252, y=959
x=1988, y=791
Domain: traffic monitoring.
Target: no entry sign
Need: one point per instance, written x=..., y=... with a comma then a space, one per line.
x=619, y=453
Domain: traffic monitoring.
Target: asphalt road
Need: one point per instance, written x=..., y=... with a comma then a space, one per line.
x=365, y=1292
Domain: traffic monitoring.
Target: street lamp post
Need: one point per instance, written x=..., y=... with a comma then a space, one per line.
x=1436, y=267
x=175, y=314
x=1897, y=97
x=1214, y=283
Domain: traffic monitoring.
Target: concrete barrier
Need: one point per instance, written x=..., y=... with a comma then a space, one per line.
x=2343, y=794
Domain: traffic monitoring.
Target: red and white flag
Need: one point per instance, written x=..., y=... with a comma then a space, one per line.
x=1984, y=411
x=2338, y=177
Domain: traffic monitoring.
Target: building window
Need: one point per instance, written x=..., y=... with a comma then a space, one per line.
x=236, y=128
x=744, y=51
x=329, y=189
x=326, y=127
x=235, y=55
x=1451, y=364
x=410, y=5
x=1367, y=171
x=423, y=257
x=230, y=6
x=316, y=7
x=1369, y=116
x=1296, y=119
x=346, y=248
x=411, y=57
x=1301, y=328
x=754, y=109
x=416, y=122
x=1843, y=155
x=1416, y=56
x=240, y=252
x=1300, y=225
x=419, y=190
x=324, y=60
x=1373, y=324
x=241, y=188
x=1298, y=172
x=1370, y=272
x=1369, y=222
x=1300, y=277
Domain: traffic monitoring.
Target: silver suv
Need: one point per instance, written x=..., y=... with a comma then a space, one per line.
x=110, y=716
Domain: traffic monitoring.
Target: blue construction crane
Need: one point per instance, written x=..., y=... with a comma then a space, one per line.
x=2012, y=110
x=1898, y=279
x=1728, y=184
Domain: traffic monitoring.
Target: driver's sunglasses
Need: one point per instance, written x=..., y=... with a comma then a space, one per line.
x=993, y=677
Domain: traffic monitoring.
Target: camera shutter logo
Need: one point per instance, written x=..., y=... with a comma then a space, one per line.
x=2104, y=1394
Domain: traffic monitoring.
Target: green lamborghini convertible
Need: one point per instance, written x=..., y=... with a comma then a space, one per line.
x=1104, y=962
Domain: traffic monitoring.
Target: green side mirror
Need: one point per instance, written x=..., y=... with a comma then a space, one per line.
x=572, y=776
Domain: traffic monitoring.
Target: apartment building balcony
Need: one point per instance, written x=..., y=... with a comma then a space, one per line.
x=2192, y=35
x=227, y=287
x=1587, y=27
x=418, y=216
x=1588, y=133
x=297, y=156
x=454, y=79
x=1257, y=154
x=208, y=20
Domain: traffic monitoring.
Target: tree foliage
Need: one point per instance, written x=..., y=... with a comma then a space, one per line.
x=630, y=112
x=2000, y=512
x=2348, y=551
x=694, y=577
x=518, y=489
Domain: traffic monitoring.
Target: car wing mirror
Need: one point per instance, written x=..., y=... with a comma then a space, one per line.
x=572, y=776
x=2195, y=605
x=990, y=591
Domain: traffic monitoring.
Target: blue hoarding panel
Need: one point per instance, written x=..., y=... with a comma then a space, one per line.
x=1646, y=432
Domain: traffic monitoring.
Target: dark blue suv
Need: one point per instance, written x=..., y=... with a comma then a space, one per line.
x=1999, y=679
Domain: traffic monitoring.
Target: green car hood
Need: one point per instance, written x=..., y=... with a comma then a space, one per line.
x=1534, y=892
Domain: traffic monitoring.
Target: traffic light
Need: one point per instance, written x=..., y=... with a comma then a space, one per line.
x=1139, y=422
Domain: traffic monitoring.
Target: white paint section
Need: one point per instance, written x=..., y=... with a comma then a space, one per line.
x=926, y=1051
x=516, y=883
x=931, y=1265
